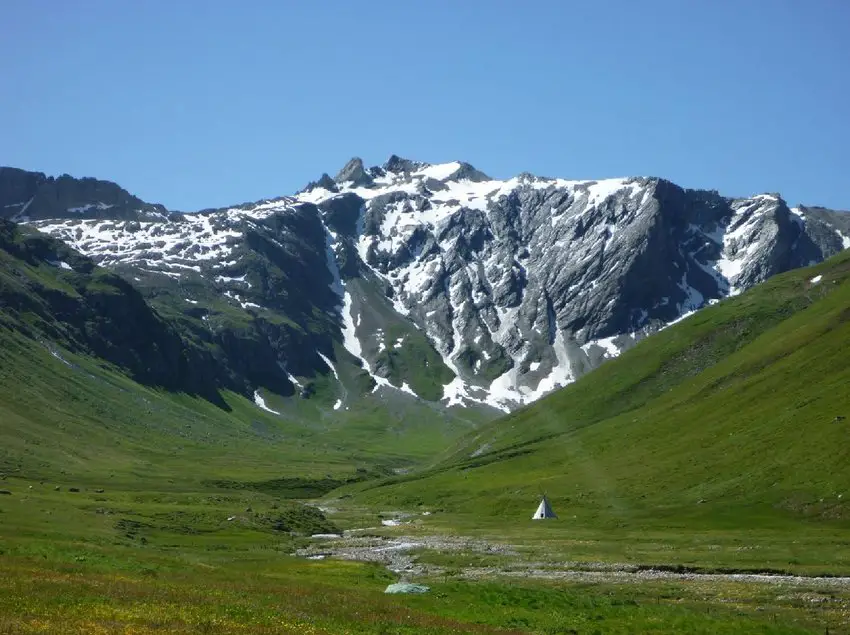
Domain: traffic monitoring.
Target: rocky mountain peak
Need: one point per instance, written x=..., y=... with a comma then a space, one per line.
x=523, y=285
x=353, y=172
x=439, y=281
x=397, y=165
x=466, y=172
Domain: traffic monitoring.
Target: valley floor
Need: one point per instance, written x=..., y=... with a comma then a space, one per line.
x=412, y=556
x=700, y=482
x=235, y=561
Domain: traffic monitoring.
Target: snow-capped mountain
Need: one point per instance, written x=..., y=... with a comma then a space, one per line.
x=438, y=281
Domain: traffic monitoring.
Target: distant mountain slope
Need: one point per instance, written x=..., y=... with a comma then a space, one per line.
x=432, y=281
x=33, y=196
x=742, y=406
x=94, y=381
x=52, y=294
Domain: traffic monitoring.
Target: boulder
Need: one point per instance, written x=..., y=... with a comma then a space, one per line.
x=406, y=587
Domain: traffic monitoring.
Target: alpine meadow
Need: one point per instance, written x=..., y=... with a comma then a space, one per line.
x=401, y=318
x=263, y=417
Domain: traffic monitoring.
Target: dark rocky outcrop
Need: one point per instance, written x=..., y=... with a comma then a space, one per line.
x=33, y=195
x=353, y=172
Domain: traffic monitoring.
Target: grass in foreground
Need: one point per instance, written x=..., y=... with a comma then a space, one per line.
x=263, y=594
x=347, y=598
x=218, y=561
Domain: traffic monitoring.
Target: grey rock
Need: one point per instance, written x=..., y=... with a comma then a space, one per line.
x=469, y=173
x=406, y=587
x=533, y=282
x=397, y=165
x=354, y=172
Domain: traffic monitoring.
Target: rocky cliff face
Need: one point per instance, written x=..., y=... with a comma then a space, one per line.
x=435, y=280
x=523, y=285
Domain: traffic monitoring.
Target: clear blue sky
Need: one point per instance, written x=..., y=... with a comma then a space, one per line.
x=198, y=104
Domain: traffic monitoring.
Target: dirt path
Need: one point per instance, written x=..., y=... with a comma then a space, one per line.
x=398, y=554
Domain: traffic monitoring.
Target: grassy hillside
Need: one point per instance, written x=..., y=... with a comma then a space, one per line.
x=70, y=415
x=186, y=515
x=732, y=422
x=95, y=383
x=130, y=508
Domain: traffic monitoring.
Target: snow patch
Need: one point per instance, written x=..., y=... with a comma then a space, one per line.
x=407, y=389
x=352, y=343
x=440, y=171
x=241, y=279
x=684, y=316
x=333, y=267
x=330, y=364
x=505, y=392
x=60, y=358
x=599, y=191
x=607, y=343
x=85, y=208
x=694, y=299
x=261, y=403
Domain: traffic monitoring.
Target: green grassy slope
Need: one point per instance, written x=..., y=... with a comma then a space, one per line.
x=74, y=337
x=134, y=509
x=183, y=523
x=67, y=414
x=734, y=417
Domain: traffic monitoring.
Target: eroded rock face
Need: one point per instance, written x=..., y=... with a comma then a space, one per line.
x=523, y=285
x=436, y=275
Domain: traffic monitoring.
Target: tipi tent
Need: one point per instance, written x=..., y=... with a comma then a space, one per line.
x=544, y=510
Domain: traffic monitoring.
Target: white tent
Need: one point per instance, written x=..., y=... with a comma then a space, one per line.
x=544, y=510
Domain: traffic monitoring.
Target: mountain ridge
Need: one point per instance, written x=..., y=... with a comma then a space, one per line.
x=439, y=281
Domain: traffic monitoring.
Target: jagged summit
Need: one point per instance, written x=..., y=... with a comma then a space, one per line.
x=394, y=171
x=397, y=165
x=467, y=172
x=353, y=172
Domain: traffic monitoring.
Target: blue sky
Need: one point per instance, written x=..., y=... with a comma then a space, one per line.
x=205, y=103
